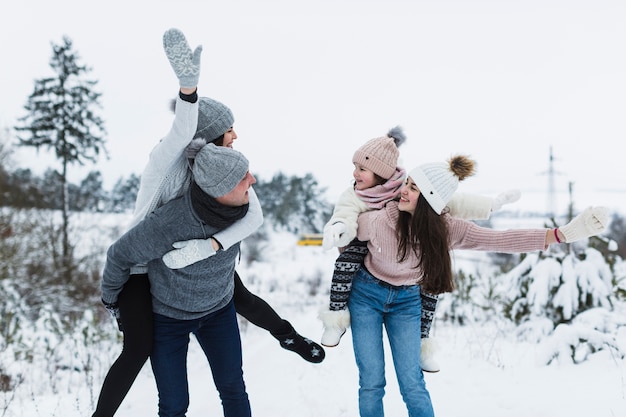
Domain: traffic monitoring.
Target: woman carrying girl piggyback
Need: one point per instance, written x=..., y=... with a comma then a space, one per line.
x=409, y=243
x=377, y=180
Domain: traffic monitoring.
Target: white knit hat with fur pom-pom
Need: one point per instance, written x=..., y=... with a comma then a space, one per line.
x=439, y=180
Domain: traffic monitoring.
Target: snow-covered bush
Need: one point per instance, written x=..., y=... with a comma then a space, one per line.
x=565, y=299
x=474, y=299
x=558, y=286
x=47, y=324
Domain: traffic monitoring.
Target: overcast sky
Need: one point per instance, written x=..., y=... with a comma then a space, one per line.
x=310, y=81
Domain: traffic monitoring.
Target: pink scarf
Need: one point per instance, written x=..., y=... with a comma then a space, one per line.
x=377, y=196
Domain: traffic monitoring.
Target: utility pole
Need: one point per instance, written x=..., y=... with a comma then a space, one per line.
x=551, y=206
x=570, y=210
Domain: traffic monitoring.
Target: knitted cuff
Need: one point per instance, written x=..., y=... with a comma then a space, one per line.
x=189, y=98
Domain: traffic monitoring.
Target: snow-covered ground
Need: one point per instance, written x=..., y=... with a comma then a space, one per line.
x=484, y=373
x=486, y=370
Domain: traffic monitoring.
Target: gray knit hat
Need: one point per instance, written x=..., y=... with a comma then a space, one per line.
x=438, y=181
x=218, y=169
x=214, y=119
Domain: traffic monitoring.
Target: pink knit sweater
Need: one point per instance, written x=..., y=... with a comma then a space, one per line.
x=378, y=228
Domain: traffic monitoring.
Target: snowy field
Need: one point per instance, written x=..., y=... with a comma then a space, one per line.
x=486, y=370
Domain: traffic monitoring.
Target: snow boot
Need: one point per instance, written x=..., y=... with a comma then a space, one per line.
x=308, y=349
x=427, y=356
x=335, y=324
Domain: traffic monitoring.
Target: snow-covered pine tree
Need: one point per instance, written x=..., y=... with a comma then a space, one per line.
x=566, y=301
x=60, y=116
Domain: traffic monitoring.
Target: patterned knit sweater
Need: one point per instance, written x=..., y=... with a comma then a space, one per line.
x=378, y=228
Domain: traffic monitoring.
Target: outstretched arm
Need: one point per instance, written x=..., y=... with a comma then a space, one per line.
x=477, y=207
x=591, y=222
x=467, y=235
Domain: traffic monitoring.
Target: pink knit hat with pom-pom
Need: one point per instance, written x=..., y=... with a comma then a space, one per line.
x=380, y=155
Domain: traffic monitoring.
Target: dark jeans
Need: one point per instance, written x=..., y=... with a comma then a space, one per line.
x=218, y=335
x=135, y=304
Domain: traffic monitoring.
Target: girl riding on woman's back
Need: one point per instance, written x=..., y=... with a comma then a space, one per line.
x=377, y=180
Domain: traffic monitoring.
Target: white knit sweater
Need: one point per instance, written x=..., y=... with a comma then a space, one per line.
x=167, y=176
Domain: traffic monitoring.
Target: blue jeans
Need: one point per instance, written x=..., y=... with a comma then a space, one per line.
x=218, y=335
x=373, y=304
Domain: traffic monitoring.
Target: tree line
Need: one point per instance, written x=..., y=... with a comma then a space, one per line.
x=294, y=203
x=61, y=117
x=23, y=189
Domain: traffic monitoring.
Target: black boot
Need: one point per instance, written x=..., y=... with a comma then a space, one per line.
x=308, y=349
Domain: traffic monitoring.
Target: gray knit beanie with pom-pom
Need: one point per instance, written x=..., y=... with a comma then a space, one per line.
x=214, y=119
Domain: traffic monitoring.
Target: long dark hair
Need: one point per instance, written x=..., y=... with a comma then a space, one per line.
x=425, y=233
x=219, y=141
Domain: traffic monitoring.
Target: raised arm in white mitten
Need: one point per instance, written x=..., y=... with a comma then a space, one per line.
x=188, y=252
x=592, y=221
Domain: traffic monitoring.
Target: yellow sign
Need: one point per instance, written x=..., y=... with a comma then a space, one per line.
x=314, y=239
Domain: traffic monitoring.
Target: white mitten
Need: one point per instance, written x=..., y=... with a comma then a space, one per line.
x=332, y=234
x=509, y=196
x=590, y=222
x=188, y=252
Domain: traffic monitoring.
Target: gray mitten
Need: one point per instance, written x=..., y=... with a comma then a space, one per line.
x=590, y=222
x=186, y=64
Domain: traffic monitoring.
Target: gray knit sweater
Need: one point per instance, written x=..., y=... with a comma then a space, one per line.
x=188, y=293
